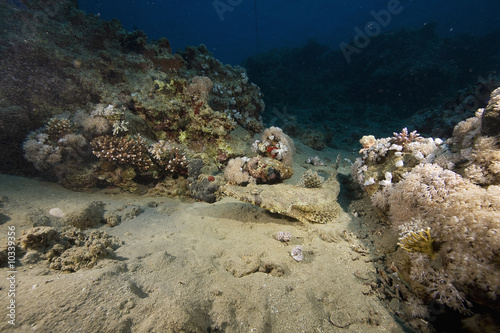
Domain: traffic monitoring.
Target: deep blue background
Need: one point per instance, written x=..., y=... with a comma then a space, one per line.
x=285, y=22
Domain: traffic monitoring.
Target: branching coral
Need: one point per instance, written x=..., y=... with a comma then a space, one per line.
x=122, y=151
x=404, y=138
x=170, y=157
x=58, y=127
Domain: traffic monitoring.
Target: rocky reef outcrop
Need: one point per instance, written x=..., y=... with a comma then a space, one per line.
x=93, y=104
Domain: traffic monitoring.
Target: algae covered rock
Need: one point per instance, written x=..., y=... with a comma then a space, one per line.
x=86, y=216
x=69, y=250
x=491, y=115
x=85, y=254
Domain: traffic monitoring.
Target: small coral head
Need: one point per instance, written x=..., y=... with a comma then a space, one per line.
x=405, y=137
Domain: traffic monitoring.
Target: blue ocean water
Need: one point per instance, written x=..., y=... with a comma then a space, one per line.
x=236, y=29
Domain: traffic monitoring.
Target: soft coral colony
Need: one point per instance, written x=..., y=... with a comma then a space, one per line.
x=443, y=198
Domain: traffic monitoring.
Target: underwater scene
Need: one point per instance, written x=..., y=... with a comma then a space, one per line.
x=250, y=166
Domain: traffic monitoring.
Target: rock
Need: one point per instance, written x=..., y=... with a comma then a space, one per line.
x=491, y=115
x=87, y=216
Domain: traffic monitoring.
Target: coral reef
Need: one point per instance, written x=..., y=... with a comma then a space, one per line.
x=443, y=198
x=60, y=152
x=440, y=119
x=95, y=87
x=384, y=161
x=172, y=158
x=316, y=204
x=404, y=73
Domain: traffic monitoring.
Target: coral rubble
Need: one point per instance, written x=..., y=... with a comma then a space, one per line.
x=69, y=250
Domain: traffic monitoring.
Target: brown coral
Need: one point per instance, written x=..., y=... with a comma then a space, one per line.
x=200, y=88
x=404, y=138
x=122, y=151
x=57, y=127
x=173, y=159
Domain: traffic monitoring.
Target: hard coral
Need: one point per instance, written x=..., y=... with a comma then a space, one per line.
x=404, y=138
x=172, y=158
x=200, y=88
x=452, y=191
x=122, y=151
x=57, y=127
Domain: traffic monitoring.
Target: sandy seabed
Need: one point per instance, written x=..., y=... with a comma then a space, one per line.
x=186, y=266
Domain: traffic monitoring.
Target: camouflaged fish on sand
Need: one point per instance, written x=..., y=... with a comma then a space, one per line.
x=311, y=200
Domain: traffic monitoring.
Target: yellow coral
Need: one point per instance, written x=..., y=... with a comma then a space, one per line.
x=183, y=136
x=420, y=241
x=159, y=85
